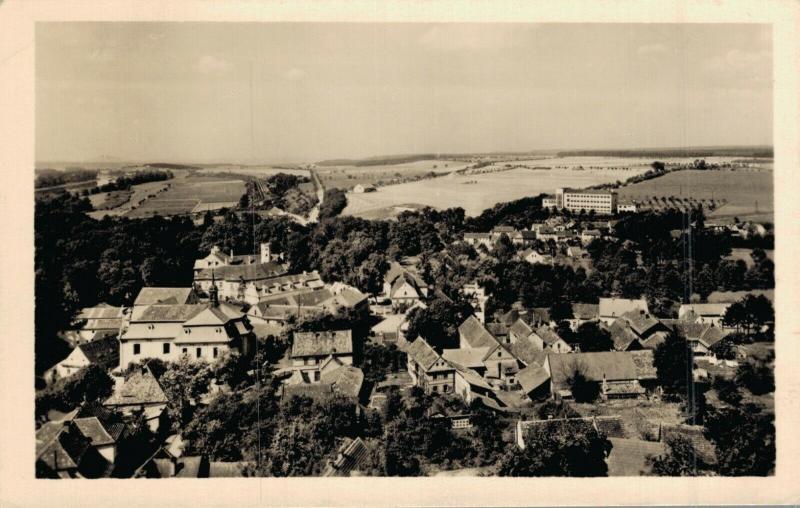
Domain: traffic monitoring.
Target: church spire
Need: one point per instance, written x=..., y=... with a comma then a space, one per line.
x=213, y=292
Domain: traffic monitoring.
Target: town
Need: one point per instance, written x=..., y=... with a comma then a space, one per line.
x=430, y=345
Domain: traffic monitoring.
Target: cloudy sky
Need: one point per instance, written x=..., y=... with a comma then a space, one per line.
x=302, y=92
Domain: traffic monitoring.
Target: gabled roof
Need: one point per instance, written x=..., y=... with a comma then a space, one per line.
x=93, y=429
x=497, y=329
x=350, y=456
x=475, y=334
x=346, y=380
x=622, y=335
x=469, y=358
x=548, y=335
x=691, y=331
x=527, y=352
x=163, y=295
x=712, y=335
x=472, y=377
x=210, y=316
x=167, y=313
x=615, y=307
x=396, y=270
x=141, y=387
x=613, y=365
x=60, y=446
x=629, y=457
x=100, y=312
x=585, y=311
x=640, y=321
x=532, y=377
x=236, y=273
x=103, y=352
x=704, y=309
x=403, y=279
x=422, y=353
x=520, y=328
x=322, y=343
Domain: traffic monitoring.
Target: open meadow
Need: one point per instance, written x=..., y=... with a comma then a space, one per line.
x=747, y=194
x=186, y=193
x=347, y=177
x=477, y=192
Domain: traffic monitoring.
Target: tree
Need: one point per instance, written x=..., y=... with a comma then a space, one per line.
x=590, y=337
x=560, y=448
x=744, y=440
x=378, y=360
x=184, y=382
x=680, y=459
x=90, y=384
x=583, y=389
x=561, y=311
x=756, y=376
x=244, y=201
x=673, y=362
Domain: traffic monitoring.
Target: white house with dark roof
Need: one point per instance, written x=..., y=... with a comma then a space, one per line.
x=140, y=392
x=197, y=331
x=612, y=308
x=311, y=351
x=428, y=369
x=403, y=285
x=102, y=352
x=96, y=322
x=704, y=313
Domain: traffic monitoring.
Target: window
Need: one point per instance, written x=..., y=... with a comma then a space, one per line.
x=166, y=348
x=216, y=352
x=316, y=375
x=199, y=352
x=137, y=348
x=185, y=351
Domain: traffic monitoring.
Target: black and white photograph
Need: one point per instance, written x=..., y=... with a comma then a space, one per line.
x=272, y=249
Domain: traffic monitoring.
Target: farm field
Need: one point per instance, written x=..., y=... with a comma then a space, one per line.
x=748, y=195
x=254, y=171
x=347, y=177
x=185, y=193
x=476, y=193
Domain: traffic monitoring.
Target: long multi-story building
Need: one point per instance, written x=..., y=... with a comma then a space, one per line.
x=599, y=201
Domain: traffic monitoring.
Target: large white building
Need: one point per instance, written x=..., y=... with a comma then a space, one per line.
x=198, y=331
x=599, y=201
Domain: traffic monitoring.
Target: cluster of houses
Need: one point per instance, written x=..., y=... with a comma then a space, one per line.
x=553, y=241
x=521, y=358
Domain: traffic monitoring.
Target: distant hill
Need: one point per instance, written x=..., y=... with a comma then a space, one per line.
x=167, y=165
x=699, y=151
x=388, y=160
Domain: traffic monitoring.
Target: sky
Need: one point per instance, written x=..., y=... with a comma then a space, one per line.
x=283, y=92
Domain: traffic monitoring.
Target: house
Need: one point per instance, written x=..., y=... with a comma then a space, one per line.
x=352, y=455
x=637, y=330
x=285, y=284
x=534, y=381
x=165, y=464
x=311, y=349
x=529, y=350
x=621, y=374
x=472, y=334
x=612, y=308
x=704, y=313
x=165, y=296
x=101, y=352
x=63, y=451
x=476, y=239
x=701, y=336
x=217, y=258
x=390, y=331
x=576, y=252
x=103, y=426
x=551, y=340
x=233, y=281
x=589, y=235
x=336, y=378
x=403, y=285
x=428, y=369
x=96, y=322
x=521, y=330
x=333, y=299
x=360, y=188
x=478, y=299
x=533, y=256
x=199, y=331
x=522, y=238
x=583, y=313
x=140, y=392
x=627, y=207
